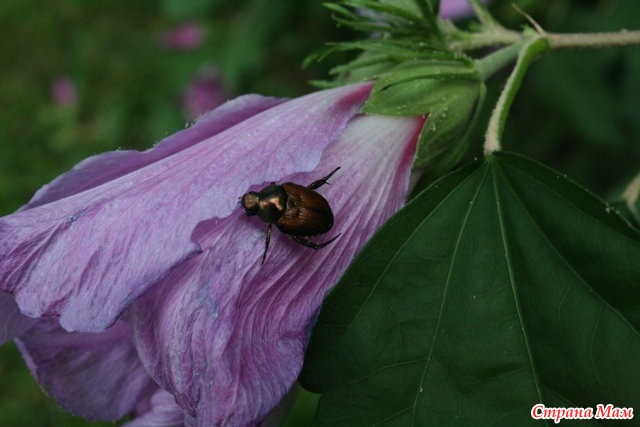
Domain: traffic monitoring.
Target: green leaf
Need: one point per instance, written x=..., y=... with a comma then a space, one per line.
x=501, y=286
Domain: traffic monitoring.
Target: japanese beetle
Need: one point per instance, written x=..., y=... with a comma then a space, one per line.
x=296, y=210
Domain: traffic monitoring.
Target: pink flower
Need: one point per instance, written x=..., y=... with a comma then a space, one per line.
x=63, y=92
x=188, y=36
x=150, y=258
x=203, y=94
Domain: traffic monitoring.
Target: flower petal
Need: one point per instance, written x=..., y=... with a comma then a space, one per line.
x=12, y=322
x=88, y=256
x=106, y=167
x=97, y=376
x=163, y=412
x=226, y=335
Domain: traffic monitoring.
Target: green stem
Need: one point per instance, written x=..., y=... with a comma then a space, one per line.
x=496, y=36
x=593, y=40
x=527, y=47
x=495, y=61
x=464, y=41
x=532, y=49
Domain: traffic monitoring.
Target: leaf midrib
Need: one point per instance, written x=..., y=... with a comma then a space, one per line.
x=472, y=204
x=512, y=281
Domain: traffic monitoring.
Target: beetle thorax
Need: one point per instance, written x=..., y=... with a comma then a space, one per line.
x=272, y=203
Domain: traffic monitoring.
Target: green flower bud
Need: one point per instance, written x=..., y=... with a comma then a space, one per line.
x=448, y=92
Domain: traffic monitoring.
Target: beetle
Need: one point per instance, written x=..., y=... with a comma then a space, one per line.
x=297, y=211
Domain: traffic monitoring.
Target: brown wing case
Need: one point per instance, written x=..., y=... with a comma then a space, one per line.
x=307, y=212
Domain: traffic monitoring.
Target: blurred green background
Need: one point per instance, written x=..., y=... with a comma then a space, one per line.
x=82, y=77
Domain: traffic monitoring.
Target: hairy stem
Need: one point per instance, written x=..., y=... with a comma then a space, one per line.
x=532, y=49
x=496, y=36
x=593, y=40
x=495, y=61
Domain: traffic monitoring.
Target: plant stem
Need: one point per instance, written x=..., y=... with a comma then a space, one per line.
x=495, y=128
x=593, y=40
x=528, y=45
x=499, y=36
x=494, y=37
x=495, y=61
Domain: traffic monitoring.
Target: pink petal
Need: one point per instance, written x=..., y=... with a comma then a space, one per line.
x=163, y=412
x=226, y=335
x=88, y=256
x=100, y=169
x=97, y=376
x=12, y=322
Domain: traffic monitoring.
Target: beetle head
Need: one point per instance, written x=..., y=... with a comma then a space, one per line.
x=250, y=203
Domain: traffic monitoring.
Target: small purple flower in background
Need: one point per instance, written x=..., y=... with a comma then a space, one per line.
x=204, y=93
x=150, y=259
x=456, y=9
x=186, y=37
x=63, y=92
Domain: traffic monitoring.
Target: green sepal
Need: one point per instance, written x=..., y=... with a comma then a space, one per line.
x=392, y=17
x=394, y=50
x=445, y=136
x=415, y=88
x=449, y=93
x=405, y=10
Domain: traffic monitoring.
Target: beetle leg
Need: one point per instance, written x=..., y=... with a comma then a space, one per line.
x=308, y=243
x=322, y=181
x=266, y=244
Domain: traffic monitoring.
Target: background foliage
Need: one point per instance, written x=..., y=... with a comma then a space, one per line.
x=577, y=111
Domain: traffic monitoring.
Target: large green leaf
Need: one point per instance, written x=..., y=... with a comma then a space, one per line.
x=501, y=286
